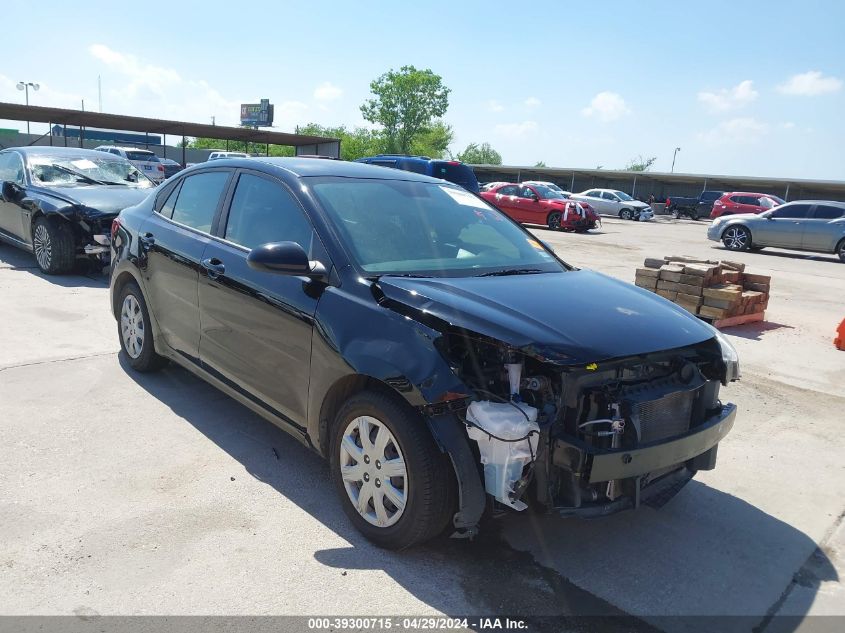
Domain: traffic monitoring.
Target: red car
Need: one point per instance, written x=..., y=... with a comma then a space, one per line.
x=538, y=204
x=735, y=202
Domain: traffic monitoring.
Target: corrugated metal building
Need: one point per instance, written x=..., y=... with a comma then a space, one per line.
x=660, y=184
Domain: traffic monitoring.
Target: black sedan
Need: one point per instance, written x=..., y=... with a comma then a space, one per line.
x=432, y=349
x=58, y=202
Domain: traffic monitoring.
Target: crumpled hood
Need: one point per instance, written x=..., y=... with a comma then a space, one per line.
x=99, y=200
x=569, y=318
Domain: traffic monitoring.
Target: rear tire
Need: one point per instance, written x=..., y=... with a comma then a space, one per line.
x=134, y=329
x=737, y=238
x=398, y=511
x=554, y=221
x=626, y=214
x=840, y=250
x=53, y=245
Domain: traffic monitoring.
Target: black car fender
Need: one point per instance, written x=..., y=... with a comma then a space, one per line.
x=357, y=343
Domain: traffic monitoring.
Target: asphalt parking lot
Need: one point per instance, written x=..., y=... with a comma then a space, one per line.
x=156, y=494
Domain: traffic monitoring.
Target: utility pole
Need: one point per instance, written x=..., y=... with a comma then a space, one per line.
x=677, y=149
x=213, y=121
x=25, y=86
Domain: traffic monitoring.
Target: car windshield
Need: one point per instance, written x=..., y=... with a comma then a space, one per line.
x=623, y=196
x=396, y=227
x=50, y=171
x=548, y=193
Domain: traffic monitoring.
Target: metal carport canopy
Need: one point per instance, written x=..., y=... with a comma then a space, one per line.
x=82, y=118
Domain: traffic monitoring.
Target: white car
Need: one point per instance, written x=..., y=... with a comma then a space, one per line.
x=550, y=185
x=144, y=160
x=219, y=155
x=613, y=202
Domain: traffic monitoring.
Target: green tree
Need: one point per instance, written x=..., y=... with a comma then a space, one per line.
x=483, y=154
x=354, y=143
x=239, y=146
x=540, y=163
x=433, y=141
x=640, y=164
x=405, y=104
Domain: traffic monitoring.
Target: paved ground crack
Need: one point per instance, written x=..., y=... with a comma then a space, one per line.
x=57, y=360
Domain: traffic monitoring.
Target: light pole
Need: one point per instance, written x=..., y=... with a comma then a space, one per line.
x=677, y=149
x=25, y=85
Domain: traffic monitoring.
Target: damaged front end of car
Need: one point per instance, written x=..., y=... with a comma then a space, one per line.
x=538, y=427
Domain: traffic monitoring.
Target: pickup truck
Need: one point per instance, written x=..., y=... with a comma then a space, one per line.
x=693, y=208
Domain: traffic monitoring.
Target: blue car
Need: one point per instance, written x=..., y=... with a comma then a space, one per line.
x=452, y=170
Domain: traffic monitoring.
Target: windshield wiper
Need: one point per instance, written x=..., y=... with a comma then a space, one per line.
x=78, y=174
x=511, y=271
x=411, y=275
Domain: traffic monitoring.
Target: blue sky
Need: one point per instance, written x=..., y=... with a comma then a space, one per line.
x=751, y=88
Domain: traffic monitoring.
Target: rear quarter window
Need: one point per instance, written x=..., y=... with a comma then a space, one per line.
x=458, y=173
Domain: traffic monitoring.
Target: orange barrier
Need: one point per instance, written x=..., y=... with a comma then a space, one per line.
x=839, y=341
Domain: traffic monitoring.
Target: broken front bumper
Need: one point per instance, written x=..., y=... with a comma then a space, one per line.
x=688, y=453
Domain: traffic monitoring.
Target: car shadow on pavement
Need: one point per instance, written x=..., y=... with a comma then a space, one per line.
x=83, y=276
x=755, y=330
x=487, y=576
x=768, y=252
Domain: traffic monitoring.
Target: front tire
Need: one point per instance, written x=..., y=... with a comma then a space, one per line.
x=53, y=245
x=554, y=221
x=736, y=238
x=135, y=331
x=626, y=214
x=392, y=480
x=840, y=250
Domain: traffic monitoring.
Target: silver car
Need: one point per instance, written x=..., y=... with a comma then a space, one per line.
x=613, y=202
x=804, y=225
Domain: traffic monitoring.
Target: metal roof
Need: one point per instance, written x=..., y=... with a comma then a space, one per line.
x=655, y=175
x=82, y=118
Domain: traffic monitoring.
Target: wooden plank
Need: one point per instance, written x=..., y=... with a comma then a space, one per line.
x=692, y=280
x=649, y=283
x=750, y=285
x=668, y=275
x=685, y=298
x=740, y=320
x=716, y=313
x=738, y=266
x=758, y=279
x=647, y=272
x=718, y=303
x=723, y=292
x=668, y=295
x=653, y=262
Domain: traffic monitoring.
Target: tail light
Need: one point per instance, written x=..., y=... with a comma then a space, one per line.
x=115, y=227
x=668, y=201
x=161, y=168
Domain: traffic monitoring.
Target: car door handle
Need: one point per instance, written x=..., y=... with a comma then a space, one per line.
x=147, y=241
x=213, y=267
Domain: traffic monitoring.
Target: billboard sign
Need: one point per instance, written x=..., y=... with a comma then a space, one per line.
x=257, y=114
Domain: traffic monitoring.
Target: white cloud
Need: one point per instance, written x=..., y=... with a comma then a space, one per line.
x=516, y=130
x=787, y=125
x=729, y=98
x=606, y=106
x=132, y=86
x=739, y=130
x=810, y=84
x=495, y=106
x=532, y=102
x=327, y=91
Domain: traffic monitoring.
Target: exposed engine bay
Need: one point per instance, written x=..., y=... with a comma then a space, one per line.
x=594, y=439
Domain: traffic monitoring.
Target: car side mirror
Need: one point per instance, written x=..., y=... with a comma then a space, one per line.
x=10, y=190
x=285, y=258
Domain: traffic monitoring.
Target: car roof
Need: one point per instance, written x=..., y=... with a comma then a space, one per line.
x=835, y=203
x=306, y=167
x=128, y=149
x=750, y=193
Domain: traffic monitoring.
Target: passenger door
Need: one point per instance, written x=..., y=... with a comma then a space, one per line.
x=256, y=326
x=610, y=203
x=783, y=227
x=595, y=200
x=530, y=208
x=11, y=212
x=507, y=200
x=173, y=241
x=824, y=228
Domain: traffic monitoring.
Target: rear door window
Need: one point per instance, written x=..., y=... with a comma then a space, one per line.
x=148, y=157
x=509, y=190
x=825, y=212
x=198, y=199
x=456, y=172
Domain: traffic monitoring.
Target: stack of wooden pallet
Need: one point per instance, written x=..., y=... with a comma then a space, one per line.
x=719, y=291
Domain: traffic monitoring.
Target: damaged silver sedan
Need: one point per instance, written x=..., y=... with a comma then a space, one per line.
x=438, y=355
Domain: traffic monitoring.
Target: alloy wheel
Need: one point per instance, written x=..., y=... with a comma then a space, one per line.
x=373, y=469
x=132, y=326
x=735, y=238
x=554, y=221
x=626, y=214
x=43, y=246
